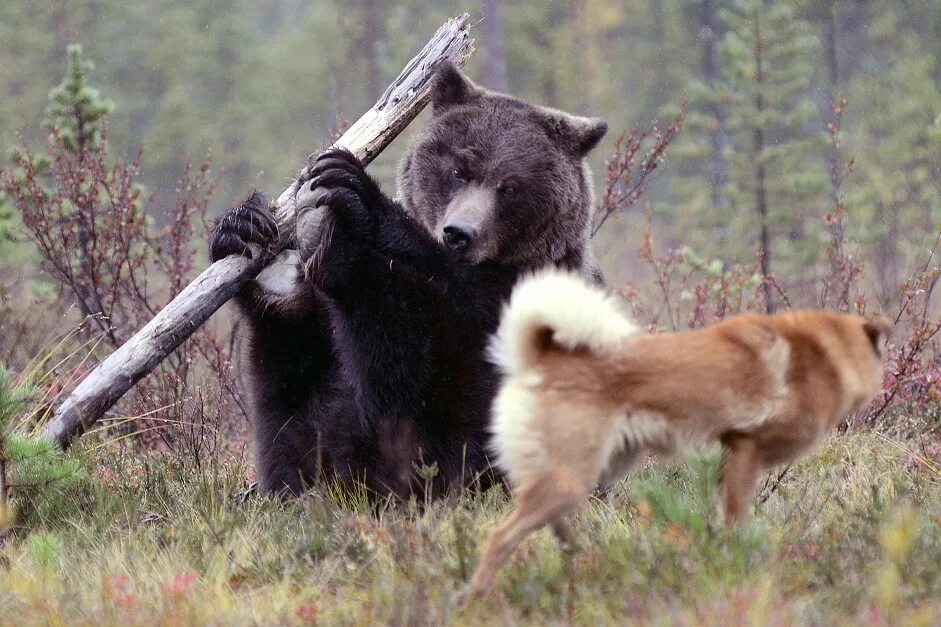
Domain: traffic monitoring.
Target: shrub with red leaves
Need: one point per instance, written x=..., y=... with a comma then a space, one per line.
x=96, y=234
x=687, y=291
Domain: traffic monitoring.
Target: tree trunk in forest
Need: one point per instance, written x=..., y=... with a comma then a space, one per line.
x=113, y=377
x=830, y=34
x=761, y=199
x=709, y=34
x=494, y=57
x=762, y=205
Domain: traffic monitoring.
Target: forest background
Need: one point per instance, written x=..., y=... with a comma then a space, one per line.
x=260, y=84
x=762, y=155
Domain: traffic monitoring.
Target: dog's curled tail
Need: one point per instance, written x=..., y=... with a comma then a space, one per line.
x=555, y=309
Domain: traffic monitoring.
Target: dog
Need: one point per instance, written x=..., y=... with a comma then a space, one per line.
x=585, y=395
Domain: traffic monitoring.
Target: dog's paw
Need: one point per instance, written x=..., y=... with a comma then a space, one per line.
x=467, y=594
x=335, y=181
x=566, y=537
x=248, y=224
x=462, y=597
x=459, y=598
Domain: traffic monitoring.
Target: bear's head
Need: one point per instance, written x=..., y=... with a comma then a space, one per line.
x=496, y=179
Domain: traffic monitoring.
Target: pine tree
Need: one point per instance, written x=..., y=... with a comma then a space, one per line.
x=75, y=108
x=75, y=115
x=750, y=162
x=777, y=161
x=33, y=473
x=700, y=154
x=896, y=135
x=6, y=221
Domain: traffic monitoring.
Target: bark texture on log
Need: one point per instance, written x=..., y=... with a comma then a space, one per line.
x=112, y=378
x=402, y=101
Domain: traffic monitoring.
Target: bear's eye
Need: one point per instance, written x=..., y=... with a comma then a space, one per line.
x=459, y=174
x=508, y=190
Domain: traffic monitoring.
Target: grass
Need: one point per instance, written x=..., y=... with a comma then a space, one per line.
x=850, y=535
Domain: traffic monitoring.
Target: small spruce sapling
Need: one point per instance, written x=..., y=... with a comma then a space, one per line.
x=31, y=471
x=75, y=108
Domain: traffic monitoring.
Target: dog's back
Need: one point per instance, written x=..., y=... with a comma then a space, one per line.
x=585, y=395
x=568, y=352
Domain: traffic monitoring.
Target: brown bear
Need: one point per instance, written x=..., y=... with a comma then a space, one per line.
x=369, y=361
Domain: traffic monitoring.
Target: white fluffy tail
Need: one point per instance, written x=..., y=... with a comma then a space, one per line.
x=554, y=308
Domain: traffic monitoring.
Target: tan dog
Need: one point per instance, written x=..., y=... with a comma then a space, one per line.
x=586, y=395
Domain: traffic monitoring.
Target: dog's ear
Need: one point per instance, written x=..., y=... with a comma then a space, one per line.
x=878, y=329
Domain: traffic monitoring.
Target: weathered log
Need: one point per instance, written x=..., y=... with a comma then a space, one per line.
x=112, y=378
x=397, y=107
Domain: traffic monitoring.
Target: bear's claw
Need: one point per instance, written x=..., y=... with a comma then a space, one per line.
x=336, y=180
x=249, y=223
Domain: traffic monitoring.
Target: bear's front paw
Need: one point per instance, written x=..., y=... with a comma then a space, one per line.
x=335, y=180
x=248, y=224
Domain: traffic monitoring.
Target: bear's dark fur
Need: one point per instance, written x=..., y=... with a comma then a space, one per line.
x=366, y=349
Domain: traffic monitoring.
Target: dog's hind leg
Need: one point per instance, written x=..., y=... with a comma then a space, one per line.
x=568, y=539
x=739, y=472
x=619, y=466
x=543, y=502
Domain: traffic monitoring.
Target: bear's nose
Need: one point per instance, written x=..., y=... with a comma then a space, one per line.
x=458, y=236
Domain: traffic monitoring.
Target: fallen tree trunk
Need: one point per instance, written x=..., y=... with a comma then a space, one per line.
x=112, y=378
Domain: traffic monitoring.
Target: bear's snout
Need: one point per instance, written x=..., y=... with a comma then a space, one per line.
x=458, y=236
x=466, y=223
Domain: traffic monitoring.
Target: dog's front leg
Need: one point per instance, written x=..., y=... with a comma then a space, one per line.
x=738, y=474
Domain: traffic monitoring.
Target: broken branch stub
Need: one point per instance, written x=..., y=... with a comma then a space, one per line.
x=112, y=378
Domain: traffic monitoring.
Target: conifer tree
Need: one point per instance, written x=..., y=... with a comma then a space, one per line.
x=6, y=220
x=752, y=158
x=701, y=152
x=777, y=161
x=33, y=473
x=75, y=108
x=898, y=157
x=772, y=142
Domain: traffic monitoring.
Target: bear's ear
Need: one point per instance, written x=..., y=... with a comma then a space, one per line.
x=576, y=134
x=451, y=87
